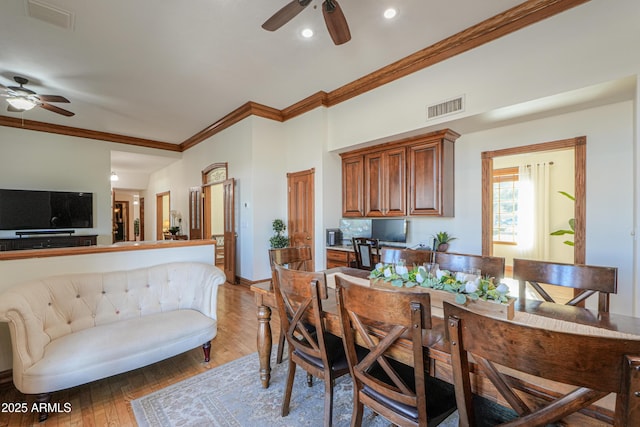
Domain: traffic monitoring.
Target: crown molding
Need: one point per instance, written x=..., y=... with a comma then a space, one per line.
x=512, y=20
x=85, y=133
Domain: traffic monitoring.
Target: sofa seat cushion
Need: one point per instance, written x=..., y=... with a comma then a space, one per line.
x=106, y=350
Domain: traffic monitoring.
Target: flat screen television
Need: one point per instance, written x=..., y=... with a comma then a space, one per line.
x=389, y=230
x=45, y=210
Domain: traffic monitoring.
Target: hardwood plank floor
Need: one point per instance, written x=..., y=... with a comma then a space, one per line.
x=107, y=402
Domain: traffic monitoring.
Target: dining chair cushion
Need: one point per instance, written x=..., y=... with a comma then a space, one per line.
x=335, y=354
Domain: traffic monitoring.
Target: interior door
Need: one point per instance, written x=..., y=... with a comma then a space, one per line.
x=195, y=213
x=301, y=210
x=229, y=230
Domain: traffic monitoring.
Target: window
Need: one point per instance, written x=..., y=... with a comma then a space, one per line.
x=505, y=205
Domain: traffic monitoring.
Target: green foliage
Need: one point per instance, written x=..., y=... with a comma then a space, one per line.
x=572, y=223
x=443, y=237
x=479, y=288
x=279, y=239
x=136, y=227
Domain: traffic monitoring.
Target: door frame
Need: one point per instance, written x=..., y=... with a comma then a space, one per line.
x=159, y=216
x=579, y=145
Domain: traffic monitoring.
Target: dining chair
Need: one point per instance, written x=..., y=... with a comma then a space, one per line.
x=319, y=353
x=296, y=258
x=488, y=265
x=586, y=280
x=591, y=367
x=398, y=390
x=363, y=249
x=411, y=257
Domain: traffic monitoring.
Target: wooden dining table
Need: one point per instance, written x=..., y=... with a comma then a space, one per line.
x=536, y=313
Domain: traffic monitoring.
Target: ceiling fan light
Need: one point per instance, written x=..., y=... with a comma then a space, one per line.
x=21, y=103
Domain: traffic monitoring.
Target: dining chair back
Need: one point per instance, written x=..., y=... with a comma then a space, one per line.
x=411, y=257
x=489, y=266
x=363, y=249
x=586, y=280
x=296, y=258
x=592, y=366
x=319, y=353
x=392, y=386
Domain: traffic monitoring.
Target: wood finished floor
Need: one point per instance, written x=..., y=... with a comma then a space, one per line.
x=107, y=402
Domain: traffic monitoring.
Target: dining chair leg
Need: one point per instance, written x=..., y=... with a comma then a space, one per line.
x=309, y=380
x=280, y=347
x=358, y=409
x=328, y=402
x=287, y=391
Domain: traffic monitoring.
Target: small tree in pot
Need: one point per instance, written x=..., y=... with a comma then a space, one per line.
x=279, y=239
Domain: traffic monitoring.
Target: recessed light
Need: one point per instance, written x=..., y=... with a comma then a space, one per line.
x=390, y=13
x=307, y=33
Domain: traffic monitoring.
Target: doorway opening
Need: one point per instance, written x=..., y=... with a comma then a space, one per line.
x=121, y=221
x=163, y=215
x=515, y=224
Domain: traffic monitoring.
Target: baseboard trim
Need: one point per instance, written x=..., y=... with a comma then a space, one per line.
x=248, y=283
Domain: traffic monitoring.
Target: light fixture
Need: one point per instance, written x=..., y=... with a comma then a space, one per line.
x=21, y=103
x=307, y=33
x=390, y=13
x=114, y=176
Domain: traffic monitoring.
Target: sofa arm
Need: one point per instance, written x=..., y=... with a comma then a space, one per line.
x=28, y=338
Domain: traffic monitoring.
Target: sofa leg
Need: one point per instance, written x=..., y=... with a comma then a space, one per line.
x=206, y=347
x=42, y=400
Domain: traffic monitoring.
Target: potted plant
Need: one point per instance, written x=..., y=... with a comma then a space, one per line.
x=572, y=223
x=279, y=239
x=136, y=228
x=441, y=241
x=174, y=230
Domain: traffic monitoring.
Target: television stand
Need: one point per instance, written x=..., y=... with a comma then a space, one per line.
x=35, y=233
x=48, y=239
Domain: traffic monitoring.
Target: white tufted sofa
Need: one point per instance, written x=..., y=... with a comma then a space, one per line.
x=74, y=329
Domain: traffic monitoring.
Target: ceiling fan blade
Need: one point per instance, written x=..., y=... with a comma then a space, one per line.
x=22, y=89
x=286, y=14
x=55, y=109
x=336, y=22
x=52, y=98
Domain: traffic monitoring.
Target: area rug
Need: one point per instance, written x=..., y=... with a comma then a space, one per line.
x=232, y=395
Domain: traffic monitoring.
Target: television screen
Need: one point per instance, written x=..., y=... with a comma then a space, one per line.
x=389, y=230
x=45, y=210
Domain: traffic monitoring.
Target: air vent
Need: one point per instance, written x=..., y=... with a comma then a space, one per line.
x=445, y=108
x=51, y=14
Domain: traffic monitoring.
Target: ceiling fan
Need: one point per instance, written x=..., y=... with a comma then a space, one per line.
x=22, y=99
x=331, y=10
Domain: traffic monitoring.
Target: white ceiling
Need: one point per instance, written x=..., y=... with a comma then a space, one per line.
x=164, y=70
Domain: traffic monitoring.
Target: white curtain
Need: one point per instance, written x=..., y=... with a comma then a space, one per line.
x=533, y=211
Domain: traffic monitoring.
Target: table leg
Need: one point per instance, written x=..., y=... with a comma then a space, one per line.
x=264, y=344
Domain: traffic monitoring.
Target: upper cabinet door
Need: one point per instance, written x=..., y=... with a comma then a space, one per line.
x=352, y=186
x=385, y=183
x=431, y=179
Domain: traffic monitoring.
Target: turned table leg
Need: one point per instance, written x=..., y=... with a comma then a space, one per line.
x=264, y=344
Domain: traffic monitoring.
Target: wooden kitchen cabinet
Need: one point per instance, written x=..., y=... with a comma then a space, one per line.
x=352, y=186
x=408, y=177
x=385, y=184
x=339, y=258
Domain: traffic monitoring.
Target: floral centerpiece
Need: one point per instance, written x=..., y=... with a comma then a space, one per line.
x=464, y=286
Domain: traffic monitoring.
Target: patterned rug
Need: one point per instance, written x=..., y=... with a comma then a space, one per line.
x=231, y=395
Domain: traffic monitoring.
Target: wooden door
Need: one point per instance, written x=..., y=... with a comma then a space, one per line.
x=229, y=230
x=142, y=218
x=195, y=213
x=301, y=210
x=352, y=186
